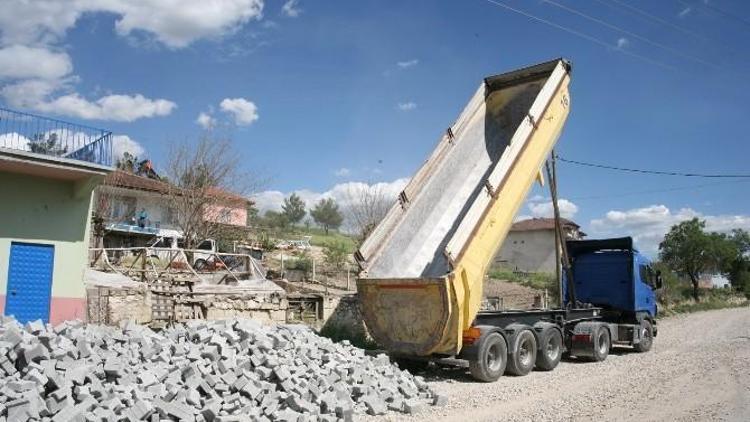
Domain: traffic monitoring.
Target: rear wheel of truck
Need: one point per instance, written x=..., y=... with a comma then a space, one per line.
x=647, y=337
x=491, y=360
x=602, y=343
x=521, y=362
x=550, y=350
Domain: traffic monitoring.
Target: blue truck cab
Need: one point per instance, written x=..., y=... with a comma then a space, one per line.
x=612, y=275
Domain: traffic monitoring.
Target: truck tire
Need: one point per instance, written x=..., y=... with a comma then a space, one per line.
x=647, y=337
x=491, y=359
x=550, y=350
x=602, y=342
x=523, y=358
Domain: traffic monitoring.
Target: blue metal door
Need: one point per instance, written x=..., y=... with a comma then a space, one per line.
x=29, y=281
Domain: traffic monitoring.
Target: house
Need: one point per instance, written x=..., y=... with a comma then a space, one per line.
x=530, y=244
x=136, y=212
x=48, y=171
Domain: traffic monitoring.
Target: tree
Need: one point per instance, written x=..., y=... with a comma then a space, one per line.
x=294, y=208
x=690, y=251
x=335, y=254
x=327, y=215
x=206, y=183
x=48, y=144
x=276, y=219
x=738, y=267
x=367, y=205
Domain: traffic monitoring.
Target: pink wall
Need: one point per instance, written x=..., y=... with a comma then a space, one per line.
x=235, y=216
x=61, y=309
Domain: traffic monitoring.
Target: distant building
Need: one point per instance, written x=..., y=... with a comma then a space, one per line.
x=530, y=244
x=137, y=212
x=48, y=171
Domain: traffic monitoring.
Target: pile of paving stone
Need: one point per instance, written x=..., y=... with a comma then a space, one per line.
x=234, y=370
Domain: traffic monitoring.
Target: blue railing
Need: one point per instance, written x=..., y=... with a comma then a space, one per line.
x=42, y=135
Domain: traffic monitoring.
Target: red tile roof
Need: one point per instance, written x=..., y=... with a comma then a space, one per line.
x=123, y=179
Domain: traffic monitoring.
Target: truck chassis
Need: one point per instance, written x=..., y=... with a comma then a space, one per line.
x=515, y=342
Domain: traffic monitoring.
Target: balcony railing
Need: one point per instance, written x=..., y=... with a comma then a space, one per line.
x=41, y=135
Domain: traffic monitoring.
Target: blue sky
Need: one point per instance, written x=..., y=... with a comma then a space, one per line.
x=319, y=94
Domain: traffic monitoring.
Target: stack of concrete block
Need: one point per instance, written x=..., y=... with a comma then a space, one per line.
x=233, y=370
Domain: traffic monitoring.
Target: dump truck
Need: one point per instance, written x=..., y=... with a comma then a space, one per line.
x=423, y=266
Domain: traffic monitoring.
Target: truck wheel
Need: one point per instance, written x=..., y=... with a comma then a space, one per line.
x=491, y=360
x=521, y=362
x=601, y=343
x=647, y=337
x=550, y=351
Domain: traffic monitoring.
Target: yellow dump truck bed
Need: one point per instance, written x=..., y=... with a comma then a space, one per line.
x=422, y=268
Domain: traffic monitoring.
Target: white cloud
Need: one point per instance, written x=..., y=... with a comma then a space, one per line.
x=407, y=106
x=648, y=225
x=15, y=140
x=38, y=75
x=407, y=63
x=206, y=121
x=19, y=61
x=123, y=143
x=121, y=108
x=542, y=207
x=342, y=193
x=175, y=23
x=622, y=42
x=244, y=112
x=342, y=172
x=291, y=8
x=684, y=12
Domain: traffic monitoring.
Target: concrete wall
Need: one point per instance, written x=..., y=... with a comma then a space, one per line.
x=532, y=251
x=50, y=212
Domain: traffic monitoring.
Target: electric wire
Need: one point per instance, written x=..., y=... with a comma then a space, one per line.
x=580, y=34
x=653, y=191
x=630, y=33
x=718, y=11
x=656, y=172
x=655, y=18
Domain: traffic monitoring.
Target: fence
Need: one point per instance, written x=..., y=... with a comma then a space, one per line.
x=50, y=137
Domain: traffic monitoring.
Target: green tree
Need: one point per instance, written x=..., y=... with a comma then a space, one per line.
x=738, y=267
x=326, y=214
x=335, y=254
x=47, y=143
x=276, y=219
x=294, y=208
x=690, y=251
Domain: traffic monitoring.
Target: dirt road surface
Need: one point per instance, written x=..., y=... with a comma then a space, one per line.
x=698, y=370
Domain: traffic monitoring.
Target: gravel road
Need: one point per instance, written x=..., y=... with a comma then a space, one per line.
x=698, y=370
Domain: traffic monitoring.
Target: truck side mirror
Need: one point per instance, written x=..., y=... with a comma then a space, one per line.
x=658, y=279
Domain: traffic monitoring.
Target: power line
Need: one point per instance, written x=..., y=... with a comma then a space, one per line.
x=580, y=34
x=661, y=173
x=630, y=33
x=718, y=11
x=652, y=191
x=655, y=18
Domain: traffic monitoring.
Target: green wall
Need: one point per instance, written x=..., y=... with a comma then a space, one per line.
x=52, y=212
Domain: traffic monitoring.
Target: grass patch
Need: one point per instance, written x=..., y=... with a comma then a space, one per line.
x=710, y=299
x=538, y=281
